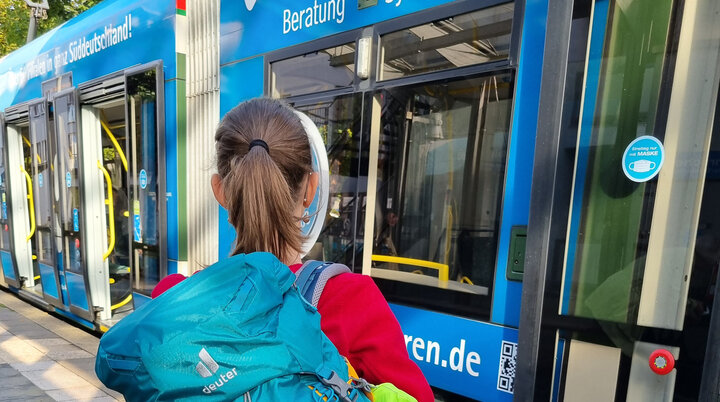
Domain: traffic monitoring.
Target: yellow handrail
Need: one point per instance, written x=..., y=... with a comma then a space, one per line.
x=115, y=144
x=122, y=303
x=111, y=212
x=443, y=269
x=32, y=203
x=30, y=146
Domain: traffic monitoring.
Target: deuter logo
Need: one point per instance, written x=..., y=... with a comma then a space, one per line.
x=249, y=4
x=207, y=367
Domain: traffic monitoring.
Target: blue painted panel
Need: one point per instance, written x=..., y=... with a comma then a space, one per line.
x=139, y=300
x=272, y=20
x=559, y=353
x=48, y=280
x=171, y=170
x=109, y=37
x=76, y=290
x=172, y=267
x=516, y=207
x=7, y=265
x=229, y=77
x=587, y=122
x=467, y=357
x=75, y=318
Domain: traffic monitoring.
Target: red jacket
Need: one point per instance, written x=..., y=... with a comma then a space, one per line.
x=356, y=318
x=359, y=322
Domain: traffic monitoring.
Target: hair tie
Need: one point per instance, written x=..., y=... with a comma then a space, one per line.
x=261, y=143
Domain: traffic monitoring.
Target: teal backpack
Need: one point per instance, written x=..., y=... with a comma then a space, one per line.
x=238, y=330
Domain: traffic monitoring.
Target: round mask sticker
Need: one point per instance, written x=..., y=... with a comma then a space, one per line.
x=314, y=215
x=643, y=159
x=143, y=179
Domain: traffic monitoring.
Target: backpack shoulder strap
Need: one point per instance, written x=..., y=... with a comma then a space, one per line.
x=312, y=277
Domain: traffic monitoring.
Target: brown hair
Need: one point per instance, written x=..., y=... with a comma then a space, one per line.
x=262, y=188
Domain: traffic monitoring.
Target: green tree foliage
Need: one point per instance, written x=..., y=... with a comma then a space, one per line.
x=15, y=17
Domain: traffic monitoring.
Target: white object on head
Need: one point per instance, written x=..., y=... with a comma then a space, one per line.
x=316, y=211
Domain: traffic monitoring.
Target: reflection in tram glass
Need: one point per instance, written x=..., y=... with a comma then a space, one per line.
x=441, y=168
x=338, y=120
x=474, y=38
x=142, y=129
x=319, y=71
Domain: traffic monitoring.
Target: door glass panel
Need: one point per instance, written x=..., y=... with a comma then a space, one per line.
x=114, y=149
x=4, y=198
x=42, y=179
x=28, y=165
x=462, y=40
x=339, y=123
x=441, y=167
x=67, y=145
x=143, y=173
x=610, y=230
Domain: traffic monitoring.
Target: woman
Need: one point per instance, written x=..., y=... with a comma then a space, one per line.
x=265, y=181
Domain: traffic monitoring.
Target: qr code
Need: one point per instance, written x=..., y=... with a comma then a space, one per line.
x=506, y=371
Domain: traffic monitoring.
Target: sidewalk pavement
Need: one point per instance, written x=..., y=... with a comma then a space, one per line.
x=43, y=358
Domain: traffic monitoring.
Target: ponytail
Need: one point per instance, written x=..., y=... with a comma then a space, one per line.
x=262, y=184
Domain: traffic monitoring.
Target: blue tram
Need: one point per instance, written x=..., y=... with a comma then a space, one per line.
x=89, y=138
x=530, y=183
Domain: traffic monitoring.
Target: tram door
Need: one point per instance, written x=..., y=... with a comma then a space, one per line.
x=122, y=156
x=9, y=269
x=47, y=245
x=145, y=144
x=18, y=221
x=630, y=307
x=70, y=211
x=105, y=197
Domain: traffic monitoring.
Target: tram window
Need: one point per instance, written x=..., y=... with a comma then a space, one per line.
x=463, y=40
x=323, y=70
x=338, y=120
x=143, y=189
x=56, y=84
x=440, y=168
